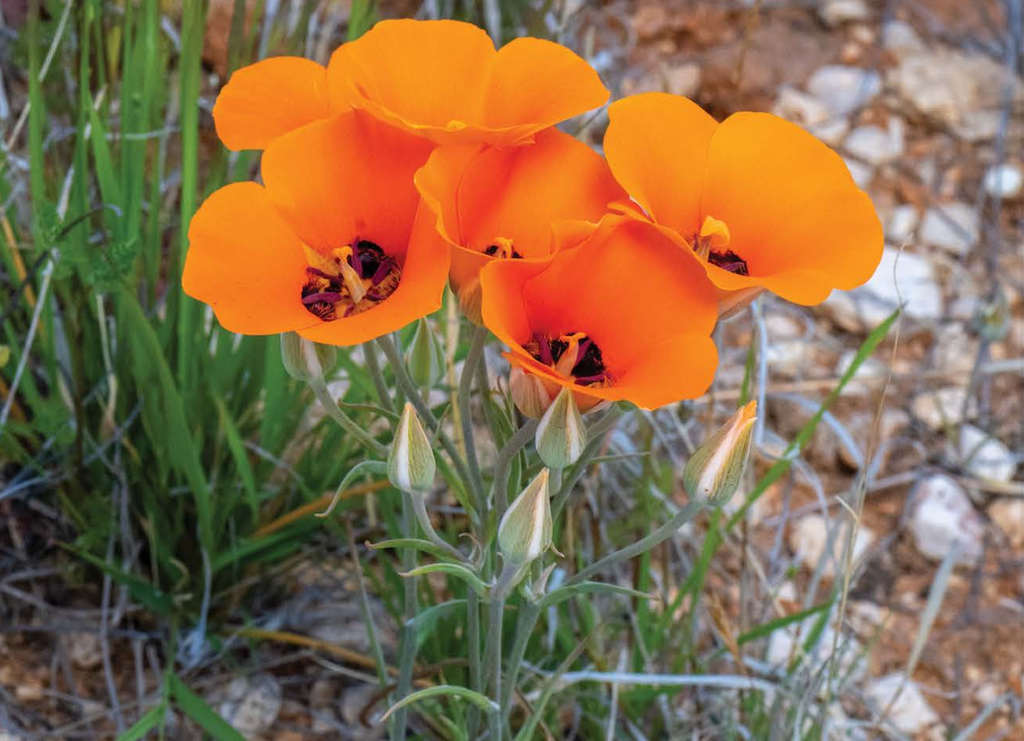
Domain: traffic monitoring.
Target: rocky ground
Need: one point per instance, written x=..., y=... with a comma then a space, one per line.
x=919, y=99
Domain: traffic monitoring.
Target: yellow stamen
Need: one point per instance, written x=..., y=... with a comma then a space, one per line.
x=504, y=246
x=714, y=235
x=569, y=357
x=353, y=281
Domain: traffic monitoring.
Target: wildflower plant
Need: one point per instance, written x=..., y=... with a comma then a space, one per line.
x=420, y=156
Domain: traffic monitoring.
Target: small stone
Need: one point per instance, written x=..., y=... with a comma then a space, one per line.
x=807, y=111
x=354, y=702
x=901, y=224
x=252, y=703
x=908, y=711
x=864, y=308
x=953, y=227
x=84, y=649
x=861, y=172
x=875, y=145
x=809, y=540
x=986, y=457
x=650, y=20
x=1008, y=515
x=865, y=617
x=900, y=39
x=683, y=79
x=1004, y=181
x=29, y=691
x=943, y=514
x=321, y=694
x=869, y=376
x=844, y=89
x=941, y=408
x=787, y=644
x=837, y=12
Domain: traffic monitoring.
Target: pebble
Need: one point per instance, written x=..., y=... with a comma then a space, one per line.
x=1008, y=515
x=837, y=12
x=900, y=39
x=251, y=704
x=807, y=111
x=84, y=649
x=683, y=79
x=787, y=644
x=901, y=224
x=986, y=457
x=941, y=408
x=810, y=538
x=861, y=172
x=864, y=308
x=869, y=376
x=844, y=89
x=875, y=145
x=1004, y=181
x=29, y=691
x=943, y=514
x=953, y=227
x=910, y=711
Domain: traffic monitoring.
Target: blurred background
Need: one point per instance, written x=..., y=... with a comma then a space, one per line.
x=158, y=557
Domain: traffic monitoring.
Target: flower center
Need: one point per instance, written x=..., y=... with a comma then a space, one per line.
x=710, y=244
x=502, y=249
x=573, y=355
x=350, y=280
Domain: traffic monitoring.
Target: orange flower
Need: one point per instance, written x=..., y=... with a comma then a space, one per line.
x=762, y=203
x=513, y=202
x=625, y=315
x=444, y=80
x=335, y=247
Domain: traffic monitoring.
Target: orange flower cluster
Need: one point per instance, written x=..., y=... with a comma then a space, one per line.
x=422, y=155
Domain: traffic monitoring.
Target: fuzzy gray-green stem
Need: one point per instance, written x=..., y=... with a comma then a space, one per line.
x=528, y=615
x=476, y=351
x=579, y=468
x=346, y=422
x=501, y=467
x=373, y=365
x=407, y=653
x=660, y=535
x=419, y=502
x=475, y=674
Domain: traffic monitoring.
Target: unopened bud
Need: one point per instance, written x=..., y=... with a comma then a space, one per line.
x=529, y=394
x=525, y=530
x=714, y=471
x=425, y=357
x=561, y=434
x=411, y=465
x=306, y=360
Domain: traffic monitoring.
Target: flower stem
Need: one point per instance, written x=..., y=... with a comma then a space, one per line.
x=407, y=653
x=373, y=365
x=528, y=615
x=501, y=467
x=419, y=502
x=596, y=433
x=346, y=422
x=660, y=535
x=475, y=674
x=476, y=353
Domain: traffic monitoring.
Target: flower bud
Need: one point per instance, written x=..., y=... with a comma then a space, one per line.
x=525, y=531
x=561, y=434
x=411, y=465
x=471, y=300
x=529, y=393
x=305, y=360
x=425, y=358
x=714, y=471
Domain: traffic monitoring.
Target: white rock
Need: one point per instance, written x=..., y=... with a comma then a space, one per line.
x=943, y=514
x=809, y=540
x=986, y=457
x=953, y=227
x=875, y=145
x=861, y=172
x=901, y=224
x=1004, y=181
x=84, y=649
x=910, y=712
x=786, y=644
x=807, y=111
x=940, y=408
x=844, y=89
x=1008, y=515
x=901, y=39
x=251, y=704
x=683, y=79
x=836, y=12
x=865, y=307
x=869, y=376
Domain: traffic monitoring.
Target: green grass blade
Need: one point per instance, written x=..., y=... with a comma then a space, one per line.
x=196, y=708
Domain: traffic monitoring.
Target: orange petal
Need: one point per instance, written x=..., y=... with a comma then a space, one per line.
x=657, y=147
x=268, y=99
x=539, y=83
x=246, y=263
x=347, y=178
x=793, y=211
x=426, y=76
x=419, y=292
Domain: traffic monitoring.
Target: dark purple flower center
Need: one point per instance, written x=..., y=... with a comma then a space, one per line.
x=589, y=367
x=327, y=292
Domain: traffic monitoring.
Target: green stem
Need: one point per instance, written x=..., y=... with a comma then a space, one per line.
x=346, y=422
x=596, y=433
x=501, y=467
x=387, y=344
x=373, y=365
x=528, y=615
x=420, y=508
x=660, y=535
x=476, y=353
x=475, y=674
x=407, y=653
